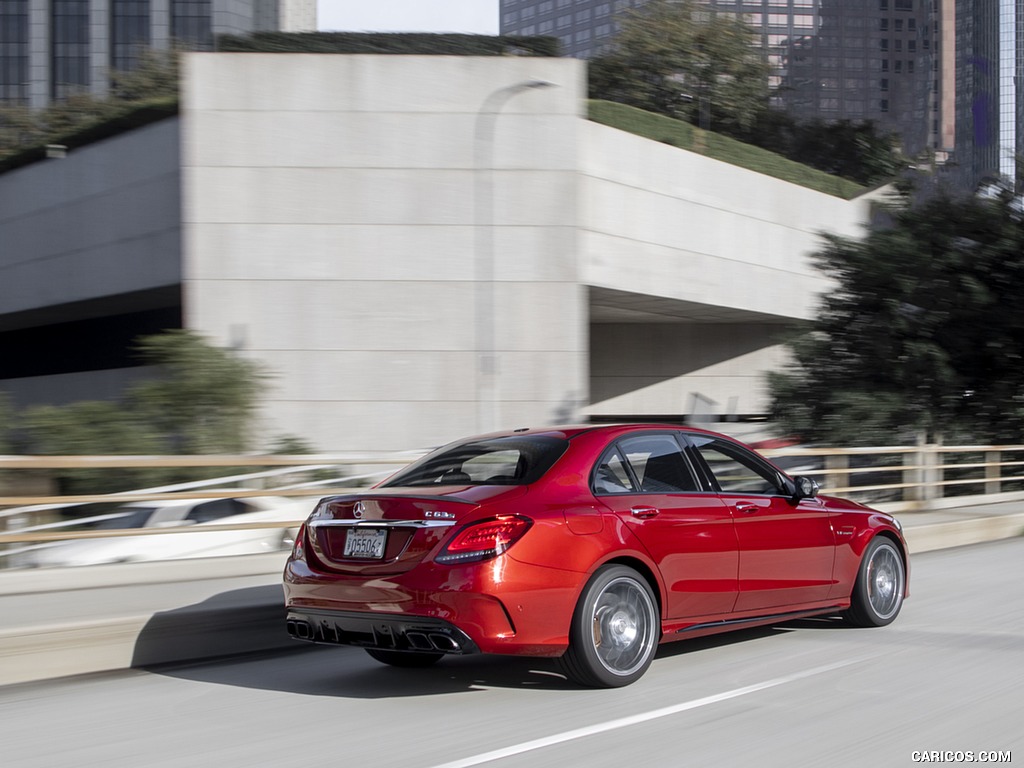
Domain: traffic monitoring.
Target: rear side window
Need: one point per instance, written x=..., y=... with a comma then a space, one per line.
x=127, y=517
x=502, y=461
x=655, y=465
x=611, y=475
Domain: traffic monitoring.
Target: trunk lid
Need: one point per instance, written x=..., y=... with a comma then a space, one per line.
x=392, y=530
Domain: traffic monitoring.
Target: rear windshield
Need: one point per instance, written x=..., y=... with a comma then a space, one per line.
x=501, y=461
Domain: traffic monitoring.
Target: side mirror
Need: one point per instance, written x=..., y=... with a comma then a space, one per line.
x=806, y=488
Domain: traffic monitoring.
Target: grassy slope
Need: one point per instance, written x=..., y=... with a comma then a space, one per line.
x=685, y=136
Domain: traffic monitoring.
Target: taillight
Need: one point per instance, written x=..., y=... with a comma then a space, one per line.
x=484, y=539
x=299, y=548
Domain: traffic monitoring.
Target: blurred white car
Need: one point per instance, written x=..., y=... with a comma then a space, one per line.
x=190, y=514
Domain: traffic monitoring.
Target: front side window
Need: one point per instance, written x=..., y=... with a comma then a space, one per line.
x=735, y=471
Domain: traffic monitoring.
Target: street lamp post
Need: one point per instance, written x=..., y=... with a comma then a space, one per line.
x=484, y=272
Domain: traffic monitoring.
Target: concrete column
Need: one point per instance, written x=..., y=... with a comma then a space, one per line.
x=39, y=53
x=99, y=48
x=931, y=459
x=913, y=477
x=160, y=24
x=835, y=474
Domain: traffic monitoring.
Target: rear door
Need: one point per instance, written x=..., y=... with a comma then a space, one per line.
x=786, y=549
x=685, y=527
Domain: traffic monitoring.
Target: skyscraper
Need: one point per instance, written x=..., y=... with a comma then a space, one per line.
x=990, y=90
x=50, y=49
x=830, y=59
x=868, y=60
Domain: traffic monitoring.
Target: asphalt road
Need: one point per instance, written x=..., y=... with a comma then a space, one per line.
x=947, y=676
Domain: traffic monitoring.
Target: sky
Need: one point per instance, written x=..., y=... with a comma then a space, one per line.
x=477, y=16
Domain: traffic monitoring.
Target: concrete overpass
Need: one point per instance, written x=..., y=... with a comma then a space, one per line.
x=415, y=248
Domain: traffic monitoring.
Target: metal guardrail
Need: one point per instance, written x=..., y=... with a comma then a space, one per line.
x=897, y=478
x=21, y=514
x=914, y=478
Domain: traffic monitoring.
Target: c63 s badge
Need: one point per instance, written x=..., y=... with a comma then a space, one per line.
x=437, y=514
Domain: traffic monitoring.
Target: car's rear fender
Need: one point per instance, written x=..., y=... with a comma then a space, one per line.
x=644, y=569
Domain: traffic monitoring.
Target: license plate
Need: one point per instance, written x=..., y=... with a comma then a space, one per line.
x=365, y=543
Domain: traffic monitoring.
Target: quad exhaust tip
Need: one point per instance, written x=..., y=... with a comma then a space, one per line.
x=300, y=629
x=417, y=641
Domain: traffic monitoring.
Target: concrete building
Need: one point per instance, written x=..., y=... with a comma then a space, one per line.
x=415, y=248
x=50, y=49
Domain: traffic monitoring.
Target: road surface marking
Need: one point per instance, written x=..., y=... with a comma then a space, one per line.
x=643, y=717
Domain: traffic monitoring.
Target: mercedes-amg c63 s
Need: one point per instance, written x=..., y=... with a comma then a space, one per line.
x=592, y=544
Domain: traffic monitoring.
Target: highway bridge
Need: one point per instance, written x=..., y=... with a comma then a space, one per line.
x=943, y=681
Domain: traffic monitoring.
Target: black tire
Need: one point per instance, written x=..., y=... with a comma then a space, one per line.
x=881, y=581
x=407, y=659
x=615, y=630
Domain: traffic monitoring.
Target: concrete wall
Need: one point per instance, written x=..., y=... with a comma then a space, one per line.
x=658, y=369
x=332, y=208
x=104, y=220
x=414, y=252
x=699, y=230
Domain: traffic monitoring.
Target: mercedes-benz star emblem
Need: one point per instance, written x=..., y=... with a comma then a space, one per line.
x=358, y=509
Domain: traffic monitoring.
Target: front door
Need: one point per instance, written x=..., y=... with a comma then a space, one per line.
x=786, y=549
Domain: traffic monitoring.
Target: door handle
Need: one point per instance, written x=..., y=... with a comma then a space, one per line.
x=746, y=507
x=644, y=512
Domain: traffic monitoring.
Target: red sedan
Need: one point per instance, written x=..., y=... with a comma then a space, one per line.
x=592, y=544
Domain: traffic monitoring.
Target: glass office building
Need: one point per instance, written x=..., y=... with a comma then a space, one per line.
x=873, y=60
x=990, y=90
x=833, y=59
x=51, y=49
x=14, y=51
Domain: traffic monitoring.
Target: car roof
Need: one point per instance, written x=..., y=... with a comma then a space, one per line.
x=570, y=431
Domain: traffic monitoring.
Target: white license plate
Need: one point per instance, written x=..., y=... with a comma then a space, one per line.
x=366, y=543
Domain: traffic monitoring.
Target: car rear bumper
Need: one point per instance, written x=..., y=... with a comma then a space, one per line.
x=394, y=632
x=501, y=606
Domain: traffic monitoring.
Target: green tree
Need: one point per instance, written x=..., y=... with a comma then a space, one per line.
x=6, y=423
x=203, y=401
x=92, y=427
x=19, y=127
x=155, y=77
x=854, y=149
x=205, y=398
x=685, y=60
x=921, y=331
